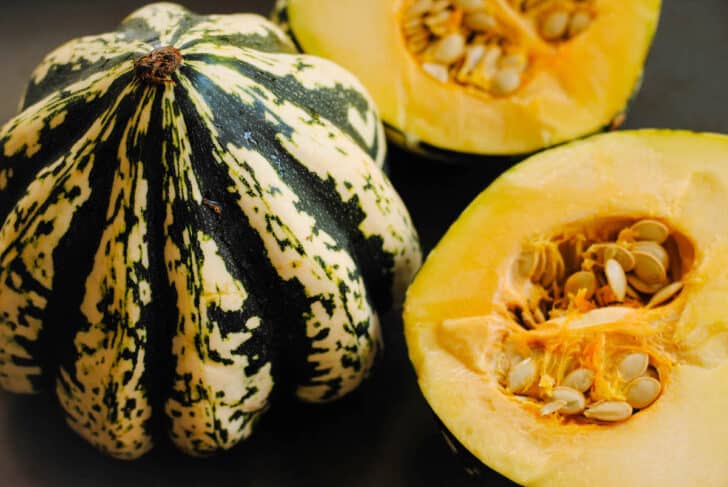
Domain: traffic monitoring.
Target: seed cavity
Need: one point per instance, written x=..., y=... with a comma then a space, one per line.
x=443, y=32
x=652, y=230
x=576, y=296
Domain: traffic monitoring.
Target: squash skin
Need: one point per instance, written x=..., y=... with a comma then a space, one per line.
x=686, y=179
x=429, y=131
x=149, y=232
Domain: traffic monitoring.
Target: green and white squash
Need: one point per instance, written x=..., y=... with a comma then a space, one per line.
x=193, y=216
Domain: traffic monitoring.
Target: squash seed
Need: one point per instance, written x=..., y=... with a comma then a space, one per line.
x=552, y=407
x=649, y=269
x=473, y=55
x=575, y=402
x=621, y=255
x=480, y=21
x=650, y=230
x=554, y=24
x=653, y=248
x=579, y=22
x=642, y=392
x=521, y=376
x=664, y=294
x=633, y=365
x=609, y=411
x=642, y=287
x=616, y=278
x=581, y=280
x=449, y=49
x=437, y=71
x=579, y=379
x=506, y=81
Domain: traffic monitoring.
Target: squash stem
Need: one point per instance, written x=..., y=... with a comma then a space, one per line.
x=158, y=66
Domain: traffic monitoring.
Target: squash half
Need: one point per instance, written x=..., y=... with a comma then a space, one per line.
x=458, y=328
x=572, y=87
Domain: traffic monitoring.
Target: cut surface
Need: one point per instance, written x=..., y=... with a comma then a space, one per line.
x=592, y=391
x=486, y=76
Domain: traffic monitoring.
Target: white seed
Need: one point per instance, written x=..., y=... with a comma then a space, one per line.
x=642, y=392
x=579, y=22
x=506, y=81
x=449, y=49
x=654, y=249
x=574, y=399
x=515, y=60
x=581, y=280
x=650, y=230
x=419, y=7
x=554, y=25
x=521, y=376
x=621, y=255
x=437, y=71
x=490, y=66
x=473, y=55
x=616, y=278
x=552, y=407
x=470, y=5
x=579, y=379
x=642, y=287
x=609, y=411
x=649, y=269
x=480, y=21
x=664, y=294
x=633, y=365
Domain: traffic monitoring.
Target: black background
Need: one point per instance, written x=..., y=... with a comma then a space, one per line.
x=383, y=434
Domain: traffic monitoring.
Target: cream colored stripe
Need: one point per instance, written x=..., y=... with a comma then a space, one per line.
x=50, y=202
x=214, y=403
x=111, y=348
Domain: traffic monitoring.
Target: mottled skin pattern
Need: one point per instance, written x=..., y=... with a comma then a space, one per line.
x=172, y=253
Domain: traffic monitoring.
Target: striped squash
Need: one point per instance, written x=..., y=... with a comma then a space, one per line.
x=193, y=217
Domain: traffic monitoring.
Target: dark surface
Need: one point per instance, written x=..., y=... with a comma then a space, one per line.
x=384, y=434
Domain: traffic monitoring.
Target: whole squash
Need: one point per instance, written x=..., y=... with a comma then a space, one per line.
x=193, y=216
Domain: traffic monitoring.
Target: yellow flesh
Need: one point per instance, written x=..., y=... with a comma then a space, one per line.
x=454, y=336
x=575, y=89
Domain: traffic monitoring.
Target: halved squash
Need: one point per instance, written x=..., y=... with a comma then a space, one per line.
x=485, y=76
x=570, y=328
